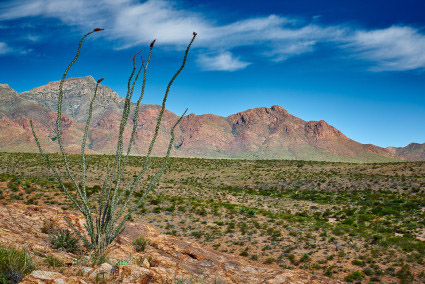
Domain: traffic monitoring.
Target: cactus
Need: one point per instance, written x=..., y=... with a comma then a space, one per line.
x=108, y=220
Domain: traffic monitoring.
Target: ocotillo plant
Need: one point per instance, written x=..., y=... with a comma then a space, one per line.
x=104, y=223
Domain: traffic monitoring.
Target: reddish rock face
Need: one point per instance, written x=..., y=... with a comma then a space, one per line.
x=170, y=258
x=321, y=130
x=412, y=152
x=255, y=133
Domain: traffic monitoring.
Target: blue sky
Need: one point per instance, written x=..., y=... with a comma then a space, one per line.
x=359, y=65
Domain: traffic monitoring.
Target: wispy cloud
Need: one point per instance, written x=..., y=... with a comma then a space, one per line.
x=393, y=49
x=221, y=62
x=69, y=11
x=33, y=38
x=277, y=37
x=4, y=48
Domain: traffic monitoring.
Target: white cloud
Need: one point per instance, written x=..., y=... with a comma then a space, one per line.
x=33, y=38
x=393, y=49
x=4, y=48
x=284, y=51
x=134, y=23
x=221, y=62
x=68, y=11
x=26, y=51
x=131, y=23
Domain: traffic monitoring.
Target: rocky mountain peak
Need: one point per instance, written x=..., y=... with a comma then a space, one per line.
x=321, y=130
x=68, y=84
x=77, y=95
x=260, y=114
x=280, y=109
x=264, y=132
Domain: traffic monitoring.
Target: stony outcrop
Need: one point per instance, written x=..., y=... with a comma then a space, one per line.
x=50, y=277
x=166, y=260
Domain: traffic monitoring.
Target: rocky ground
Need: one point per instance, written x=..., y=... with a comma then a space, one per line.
x=166, y=259
x=350, y=222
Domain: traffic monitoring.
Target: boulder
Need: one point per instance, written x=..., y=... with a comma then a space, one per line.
x=50, y=277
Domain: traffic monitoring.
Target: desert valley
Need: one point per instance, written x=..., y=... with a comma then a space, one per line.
x=293, y=219
x=302, y=159
x=261, y=133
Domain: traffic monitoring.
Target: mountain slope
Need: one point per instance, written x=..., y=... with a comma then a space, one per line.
x=266, y=133
x=411, y=152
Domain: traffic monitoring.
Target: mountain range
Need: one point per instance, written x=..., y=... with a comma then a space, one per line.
x=260, y=133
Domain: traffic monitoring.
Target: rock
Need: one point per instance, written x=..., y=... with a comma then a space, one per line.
x=170, y=258
x=103, y=270
x=146, y=263
x=132, y=274
x=49, y=277
x=86, y=270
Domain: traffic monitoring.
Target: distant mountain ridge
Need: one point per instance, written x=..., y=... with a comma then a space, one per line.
x=260, y=133
x=411, y=152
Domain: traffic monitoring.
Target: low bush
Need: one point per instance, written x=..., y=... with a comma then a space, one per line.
x=64, y=240
x=356, y=275
x=244, y=253
x=140, y=244
x=52, y=261
x=14, y=264
x=48, y=226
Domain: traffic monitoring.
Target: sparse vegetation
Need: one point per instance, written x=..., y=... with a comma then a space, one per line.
x=273, y=208
x=140, y=244
x=63, y=239
x=48, y=226
x=14, y=264
x=355, y=276
x=53, y=261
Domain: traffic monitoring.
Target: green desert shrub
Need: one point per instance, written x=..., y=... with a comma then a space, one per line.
x=358, y=262
x=52, y=261
x=14, y=264
x=140, y=244
x=404, y=274
x=356, y=275
x=305, y=257
x=328, y=272
x=63, y=239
